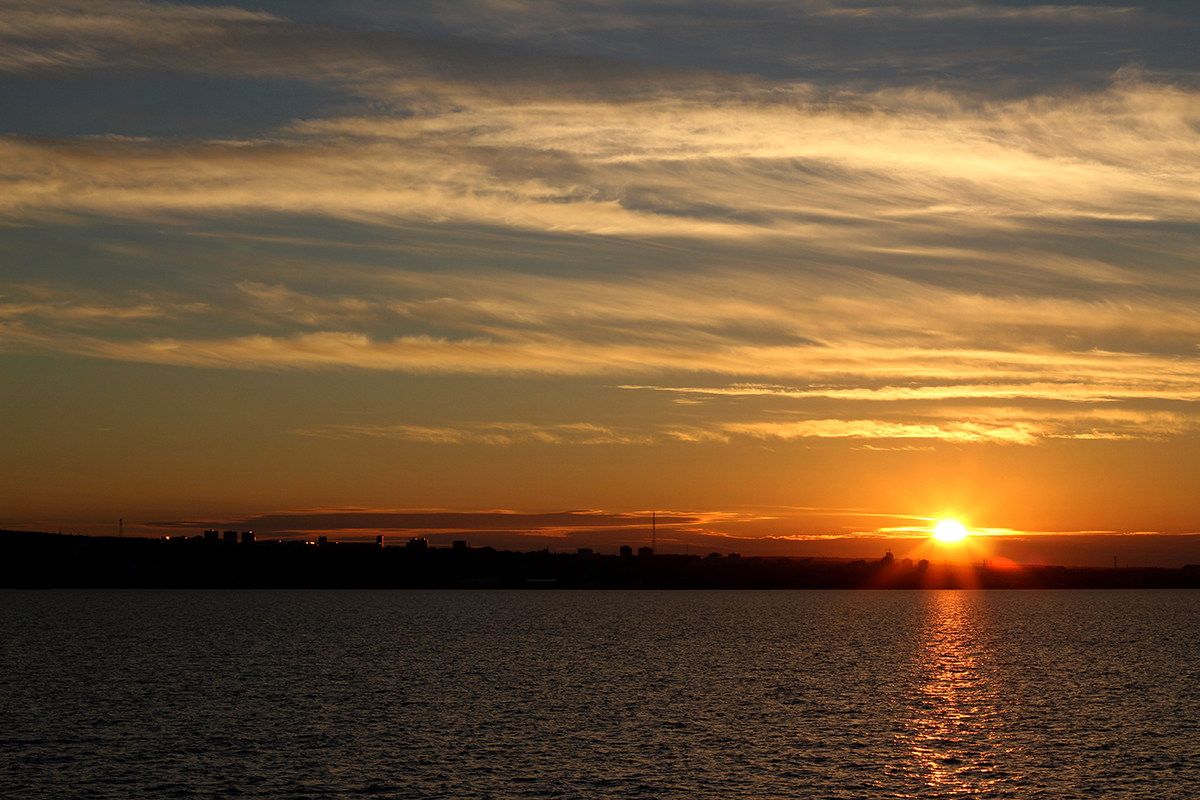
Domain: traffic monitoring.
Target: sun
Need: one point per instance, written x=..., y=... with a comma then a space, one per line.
x=949, y=530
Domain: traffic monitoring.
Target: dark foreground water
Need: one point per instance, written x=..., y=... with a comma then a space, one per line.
x=345, y=694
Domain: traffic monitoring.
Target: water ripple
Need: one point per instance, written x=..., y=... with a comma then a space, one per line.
x=330, y=695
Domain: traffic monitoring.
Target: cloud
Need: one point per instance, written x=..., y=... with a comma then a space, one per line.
x=86, y=34
x=416, y=521
x=491, y=433
x=956, y=9
x=1112, y=390
x=883, y=224
x=895, y=341
x=894, y=42
x=981, y=424
x=595, y=47
x=934, y=248
x=283, y=305
x=972, y=432
x=1011, y=425
x=752, y=529
x=759, y=165
x=83, y=309
x=541, y=353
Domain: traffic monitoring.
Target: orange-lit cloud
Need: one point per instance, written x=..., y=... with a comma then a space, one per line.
x=514, y=325
x=802, y=168
x=494, y=433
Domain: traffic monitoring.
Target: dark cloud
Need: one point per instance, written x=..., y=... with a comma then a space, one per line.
x=1016, y=46
x=352, y=523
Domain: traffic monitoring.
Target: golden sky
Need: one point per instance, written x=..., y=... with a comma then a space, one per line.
x=800, y=276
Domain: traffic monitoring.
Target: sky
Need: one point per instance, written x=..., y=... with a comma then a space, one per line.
x=800, y=278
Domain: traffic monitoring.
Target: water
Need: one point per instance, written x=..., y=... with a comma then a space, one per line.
x=490, y=694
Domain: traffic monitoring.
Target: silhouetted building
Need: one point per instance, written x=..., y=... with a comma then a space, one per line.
x=887, y=559
x=460, y=544
x=418, y=543
x=322, y=541
x=626, y=551
x=43, y=560
x=247, y=537
x=230, y=537
x=379, y=540
x=906, y=563
x=734, y=556
x=645, y=552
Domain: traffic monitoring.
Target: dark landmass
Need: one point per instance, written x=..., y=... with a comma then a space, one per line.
x=48, y=560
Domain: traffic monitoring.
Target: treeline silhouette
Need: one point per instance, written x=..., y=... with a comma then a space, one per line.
x=47, y=560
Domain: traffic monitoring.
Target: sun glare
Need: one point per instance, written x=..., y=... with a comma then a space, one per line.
x=949, y=530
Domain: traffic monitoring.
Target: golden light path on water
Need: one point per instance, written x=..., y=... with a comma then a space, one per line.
x=954, y=727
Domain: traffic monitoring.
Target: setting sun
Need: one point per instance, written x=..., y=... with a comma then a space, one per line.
x=949, y=530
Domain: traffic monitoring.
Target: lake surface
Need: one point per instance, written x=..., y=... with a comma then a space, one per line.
x=546, y=694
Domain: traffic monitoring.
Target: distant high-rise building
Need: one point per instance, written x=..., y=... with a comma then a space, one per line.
x=645, y=552
x=230, y=537
x=379, y=540
x=247, y=537
x=212, y=537
x=460, y=544
x=626, y=551
x=322, y=541
x=585, y=552
x=418, y=543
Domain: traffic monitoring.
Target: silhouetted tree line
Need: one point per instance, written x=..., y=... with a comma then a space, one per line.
x=45, y=560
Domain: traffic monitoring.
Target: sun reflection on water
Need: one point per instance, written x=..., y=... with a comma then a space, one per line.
x=954, y=725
